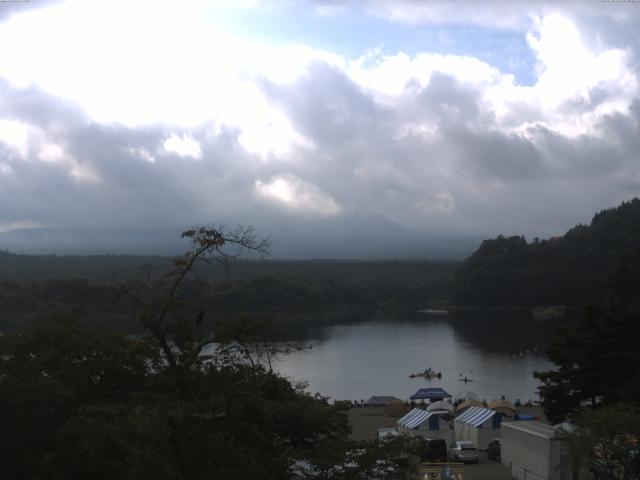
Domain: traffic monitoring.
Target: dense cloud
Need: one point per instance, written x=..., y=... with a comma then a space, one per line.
x=436, y=142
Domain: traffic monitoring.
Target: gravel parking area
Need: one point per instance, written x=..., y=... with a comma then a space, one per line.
x=365, y=422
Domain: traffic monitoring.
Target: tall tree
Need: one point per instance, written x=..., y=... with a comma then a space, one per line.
x=607, y=443
x=176, y=403
x=158, y=297
x=596, y=352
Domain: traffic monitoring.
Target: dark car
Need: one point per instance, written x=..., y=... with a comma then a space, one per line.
x=434, y=450
x=493, y=449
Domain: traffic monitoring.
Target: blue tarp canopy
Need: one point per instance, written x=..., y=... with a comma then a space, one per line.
x=432, y=394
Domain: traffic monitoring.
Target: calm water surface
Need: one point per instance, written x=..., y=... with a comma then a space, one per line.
x=499, y=352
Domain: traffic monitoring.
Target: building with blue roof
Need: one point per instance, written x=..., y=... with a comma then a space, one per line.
x=431, y=394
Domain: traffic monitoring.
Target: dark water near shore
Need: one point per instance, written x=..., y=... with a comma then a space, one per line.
x=498, y=351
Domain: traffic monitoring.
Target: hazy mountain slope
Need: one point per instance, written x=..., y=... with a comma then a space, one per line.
x=294, y=236
x=349, y=235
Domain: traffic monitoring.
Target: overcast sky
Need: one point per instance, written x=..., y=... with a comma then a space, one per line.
x=481, y=117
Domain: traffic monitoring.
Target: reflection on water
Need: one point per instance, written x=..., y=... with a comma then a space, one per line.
x=499, y=352
x=503, y=332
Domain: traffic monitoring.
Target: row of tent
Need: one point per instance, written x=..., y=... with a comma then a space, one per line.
x=502, y=406
x=461, y=401
x=531, y=450
x=475, y=417
x=436, y=398
x=477, y=424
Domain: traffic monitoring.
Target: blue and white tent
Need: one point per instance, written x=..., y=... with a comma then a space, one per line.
x=479, y=425
x=426, y=424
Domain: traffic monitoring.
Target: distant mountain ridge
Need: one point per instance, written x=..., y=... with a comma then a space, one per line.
x=294, y=236
x=350, y=235
x=569, y=270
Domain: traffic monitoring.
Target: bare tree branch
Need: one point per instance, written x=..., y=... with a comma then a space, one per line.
x=156, y=297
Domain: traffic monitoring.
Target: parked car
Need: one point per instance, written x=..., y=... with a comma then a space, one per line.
x=434, y=450
x=387, y=433
x=493, y=449
x=463, y=451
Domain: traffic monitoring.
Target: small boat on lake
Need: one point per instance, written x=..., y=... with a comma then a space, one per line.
x=427, y=374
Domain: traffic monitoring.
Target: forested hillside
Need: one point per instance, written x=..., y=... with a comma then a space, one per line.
x=570, y=270
x=34, y=287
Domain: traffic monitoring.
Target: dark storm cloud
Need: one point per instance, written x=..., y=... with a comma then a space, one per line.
x=436, y=156
x=584, y=156
x=481, y=151
x=121, y=185
x=348, y=128
x=497, y=156
x=171, y=189
x=469, y=157
x=34, y=106
x=329, y=108
x=623, y=130
x=326, y=105
x=446, y=100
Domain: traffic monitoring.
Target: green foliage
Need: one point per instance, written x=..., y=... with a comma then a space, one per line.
x=596, y=351
x=285, y=289
x=87, y=405
x=606, y=442
x=570, y=270
x=174, y=403
x=396, y=459
x=289, y=294
x=48, y=373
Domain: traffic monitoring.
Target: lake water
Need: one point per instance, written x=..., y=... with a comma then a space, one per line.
x=498, y=351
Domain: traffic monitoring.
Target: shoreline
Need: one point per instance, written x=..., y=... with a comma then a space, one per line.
x=539, y=312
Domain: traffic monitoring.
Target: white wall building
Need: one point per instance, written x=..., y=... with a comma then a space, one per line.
x=533, y=451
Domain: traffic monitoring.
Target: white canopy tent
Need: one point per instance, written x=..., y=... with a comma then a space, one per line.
x=440, y=406
x=467, y=395
x=479, y=425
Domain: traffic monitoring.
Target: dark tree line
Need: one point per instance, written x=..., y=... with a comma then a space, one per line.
x=570, y=270
x=596, y=350
x=596, y=382
x=93, y=304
